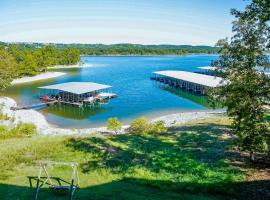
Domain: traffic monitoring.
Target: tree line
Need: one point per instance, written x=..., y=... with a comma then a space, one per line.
x=18, y=60
x=128, y=49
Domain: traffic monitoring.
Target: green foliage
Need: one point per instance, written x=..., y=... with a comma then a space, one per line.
x=114, y=124
x=157, y=127
x=3, y=131
x=3, y=116
x=25, y=129
x=31, y=61
x=69, y=56
x=122, y=49
x=21, y=130
x=247, y=91
x=7, y=69
x=140, y=125
x=143, y=125
x=136, y=49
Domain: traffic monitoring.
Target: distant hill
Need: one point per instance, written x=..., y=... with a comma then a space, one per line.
x=126, y=49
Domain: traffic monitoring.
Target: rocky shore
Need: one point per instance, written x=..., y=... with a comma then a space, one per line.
x=43, y=127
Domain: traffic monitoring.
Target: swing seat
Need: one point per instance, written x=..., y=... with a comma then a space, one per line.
x=60, y=190
x=60, y=187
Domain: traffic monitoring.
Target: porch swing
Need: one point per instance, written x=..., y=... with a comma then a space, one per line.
x=57, y=188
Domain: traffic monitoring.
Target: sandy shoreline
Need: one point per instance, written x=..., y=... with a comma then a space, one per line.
x=42, y=76
x=43, y=127
x=48, y=75
x=71, y=66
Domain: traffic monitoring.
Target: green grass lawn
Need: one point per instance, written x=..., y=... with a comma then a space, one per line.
x=193, y=161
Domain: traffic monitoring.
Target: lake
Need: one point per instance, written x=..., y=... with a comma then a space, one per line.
x=129, y=77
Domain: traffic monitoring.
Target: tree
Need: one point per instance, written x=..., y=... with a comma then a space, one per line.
x=114, y=124
x=7, y=69
x=140, y=125
x=246, y=91
x=46, y=56
x=157, y=127
x=28, y=65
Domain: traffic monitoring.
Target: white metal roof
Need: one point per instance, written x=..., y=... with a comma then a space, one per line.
x=207, y=68
x=201, y=79
x=77, y=87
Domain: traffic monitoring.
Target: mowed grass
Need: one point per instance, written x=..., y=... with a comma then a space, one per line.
x=192, y=161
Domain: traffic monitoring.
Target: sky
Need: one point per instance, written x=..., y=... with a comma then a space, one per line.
x=194, y=22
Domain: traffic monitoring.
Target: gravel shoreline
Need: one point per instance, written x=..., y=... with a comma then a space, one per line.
x=43, y=127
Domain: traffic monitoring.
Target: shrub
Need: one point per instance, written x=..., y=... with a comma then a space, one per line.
x=143, y=125
x=140, y=125
x=158, y=127
x=4, y=132
x=24, y=129
x=3, y=116
x=114, y=124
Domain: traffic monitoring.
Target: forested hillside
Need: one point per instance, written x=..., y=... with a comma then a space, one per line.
x=136, y=49
x=17, y=60
x=127, y=49
x=30, y=61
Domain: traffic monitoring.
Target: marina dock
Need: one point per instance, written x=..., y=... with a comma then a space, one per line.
x=76, y=93
x=192, y=82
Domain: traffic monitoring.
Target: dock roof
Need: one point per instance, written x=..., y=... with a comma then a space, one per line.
x=207, y=68
x=201, y=79
x=77, y=87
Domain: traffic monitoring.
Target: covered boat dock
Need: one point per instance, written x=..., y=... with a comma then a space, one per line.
x=76, y=93
x=189, y=81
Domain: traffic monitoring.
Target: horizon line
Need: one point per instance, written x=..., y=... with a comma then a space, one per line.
x=150, y=44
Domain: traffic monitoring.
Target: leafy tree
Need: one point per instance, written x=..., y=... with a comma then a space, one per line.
x=28, y=66
x=157, y=127
x=114, y=124
x=46, y=56
x=246, y=91
x=140, y=125
x=71, y=56
x=7, y=69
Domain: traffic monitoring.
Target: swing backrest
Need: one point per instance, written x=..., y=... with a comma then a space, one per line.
x=73, y=165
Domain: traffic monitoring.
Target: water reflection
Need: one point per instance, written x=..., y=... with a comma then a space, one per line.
x=202, y=100
x=74, y=112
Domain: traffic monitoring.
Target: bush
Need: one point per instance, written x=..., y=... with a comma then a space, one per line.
x=4, y=132
x=24, y=129
x=114, y=124
x=143, y=125
x=140, y=125
x=158, y=127
x=3, y=116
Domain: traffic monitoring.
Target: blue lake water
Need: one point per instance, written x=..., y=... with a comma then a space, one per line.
x=129, y=77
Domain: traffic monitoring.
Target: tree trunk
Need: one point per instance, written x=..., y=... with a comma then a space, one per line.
x=251, y=156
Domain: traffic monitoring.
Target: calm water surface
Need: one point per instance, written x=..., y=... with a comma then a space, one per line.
x=129, y=77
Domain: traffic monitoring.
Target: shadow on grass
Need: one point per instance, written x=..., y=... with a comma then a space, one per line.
x=131, y=189
x=194, y=158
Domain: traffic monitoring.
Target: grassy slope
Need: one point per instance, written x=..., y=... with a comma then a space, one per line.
x=190, y=162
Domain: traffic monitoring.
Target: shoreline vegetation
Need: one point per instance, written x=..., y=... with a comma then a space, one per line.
x=44, y=128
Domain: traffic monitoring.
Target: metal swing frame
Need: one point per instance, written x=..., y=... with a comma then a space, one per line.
x=74, y=184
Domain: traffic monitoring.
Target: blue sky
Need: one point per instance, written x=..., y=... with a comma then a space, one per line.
x=196, y=22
